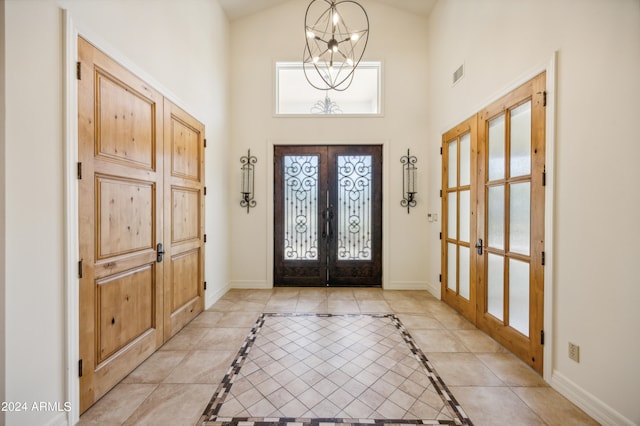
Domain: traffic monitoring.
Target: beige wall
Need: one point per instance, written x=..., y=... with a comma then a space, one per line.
x=596, y=290
x=398, y=39
x=2, y=209
x=183, y=47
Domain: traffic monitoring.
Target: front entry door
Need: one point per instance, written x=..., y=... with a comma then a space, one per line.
x=328, y=216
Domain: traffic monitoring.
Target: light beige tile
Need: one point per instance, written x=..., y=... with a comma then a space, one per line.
x=477, y=341
x=511, y=370
x=420, y=322
x=238, y=319
x=494, y=406
x=552, y=407
x=206, y=319
x=223, y=339
x=438, y=341
x=182, y=404
x=374, y=306
x=185, y=340
x=337, y=306
x=156, y=368
x=117, y=405
x=202, y=367
x=463, y=369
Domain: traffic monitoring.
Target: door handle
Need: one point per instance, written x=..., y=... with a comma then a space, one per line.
x=160, y=251
x=479, y=246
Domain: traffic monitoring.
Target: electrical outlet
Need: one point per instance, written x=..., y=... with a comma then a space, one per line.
x=574, y=352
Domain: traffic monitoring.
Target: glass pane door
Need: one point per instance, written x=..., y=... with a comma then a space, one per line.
x=459, y=230
x=511, y=220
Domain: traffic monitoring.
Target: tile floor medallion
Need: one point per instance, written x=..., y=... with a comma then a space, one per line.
x=327, y=369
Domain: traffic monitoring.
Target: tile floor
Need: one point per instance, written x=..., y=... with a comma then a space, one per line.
x=176, y=384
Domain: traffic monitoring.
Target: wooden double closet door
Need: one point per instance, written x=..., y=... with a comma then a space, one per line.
x=493, y=206
x=141, y=221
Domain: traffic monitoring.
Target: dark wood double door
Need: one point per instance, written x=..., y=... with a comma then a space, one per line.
x=328, y=216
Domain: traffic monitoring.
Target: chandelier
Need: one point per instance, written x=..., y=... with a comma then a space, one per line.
x=334, y=49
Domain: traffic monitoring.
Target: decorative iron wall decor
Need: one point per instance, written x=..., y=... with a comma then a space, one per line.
x=409, y=180
x=248, y=175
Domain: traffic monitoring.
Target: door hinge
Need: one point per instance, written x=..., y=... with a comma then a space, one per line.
x=542, y=337
x=205, y=190
x=543, y=259
x=544, y=98
x=79, y=171
x=80, y=268
x=78, y=70
x=205, y=142
x=441, y=193
x=440, y=278
x=205, y=238
x=440, y=150
x=441, y=235
x=80, y=368
x=544, y=176
x=205, y=285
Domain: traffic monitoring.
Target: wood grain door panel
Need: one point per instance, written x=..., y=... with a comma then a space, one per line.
x=120, y=221
x=184, y=218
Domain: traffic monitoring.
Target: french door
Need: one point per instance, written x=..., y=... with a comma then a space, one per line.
x=328, y=216
x=493, y=229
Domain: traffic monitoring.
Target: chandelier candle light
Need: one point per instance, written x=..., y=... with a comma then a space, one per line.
x=333, y=49
x=248, y=165
x=409, y=181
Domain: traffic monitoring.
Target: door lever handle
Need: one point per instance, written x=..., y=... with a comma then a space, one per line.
x=479, y=246
x=160, y=250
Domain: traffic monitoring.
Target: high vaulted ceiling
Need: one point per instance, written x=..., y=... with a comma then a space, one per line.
x=236, y=9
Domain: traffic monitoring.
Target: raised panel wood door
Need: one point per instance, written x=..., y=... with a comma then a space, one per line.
x=120, y=221
x=328, y=216
x=184, y=218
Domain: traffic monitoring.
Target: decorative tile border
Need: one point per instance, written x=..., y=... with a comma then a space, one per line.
x=210, y=415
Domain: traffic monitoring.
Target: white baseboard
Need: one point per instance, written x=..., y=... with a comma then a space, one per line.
x=212, y=296
x=59, y=420
x=254, y=285
x=435, y=290
x=406, y=285
x=591, y=405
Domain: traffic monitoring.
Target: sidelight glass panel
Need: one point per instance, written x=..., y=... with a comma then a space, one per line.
x=453, y=164
x=465, y=160
x=497, y=148
x=495, y=236
x=495, y=286
x=464, y=272
x=452, y=218
x=519, y=296
x=354, y=207
x=300, y=207
x=465, y=216
x=521, y=140
x=452, y=263
x=520, y=218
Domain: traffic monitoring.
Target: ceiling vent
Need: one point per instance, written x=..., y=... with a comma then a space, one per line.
x=458, y=74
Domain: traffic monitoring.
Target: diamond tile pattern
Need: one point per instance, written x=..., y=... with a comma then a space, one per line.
x=337, y=368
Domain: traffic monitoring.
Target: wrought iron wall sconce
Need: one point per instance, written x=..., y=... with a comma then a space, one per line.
x=248, y=179
x=409, y=180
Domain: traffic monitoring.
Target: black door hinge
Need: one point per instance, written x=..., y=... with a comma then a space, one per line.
x=544, y=176
x=441, y=193
x=205, y=238
x=80, y=368
x=440, y=150
x=440, y=278
x=78, y=70
x=205, y=142
x=441, y=235
x=79, y=171
x=205, y=285
x=543, y=259
x=80, y=268
x=542, y=337
x=205, y=190
x=544, y=98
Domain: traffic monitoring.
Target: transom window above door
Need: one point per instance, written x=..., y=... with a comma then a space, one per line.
x=295, y=96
